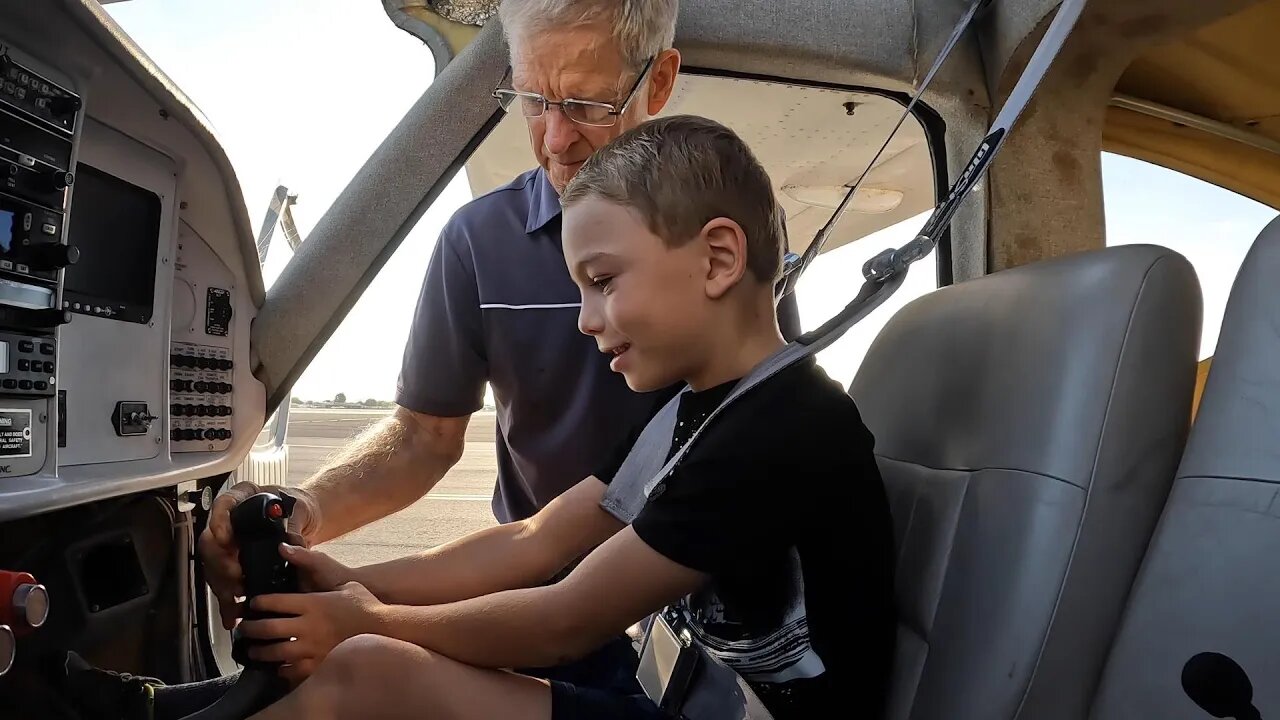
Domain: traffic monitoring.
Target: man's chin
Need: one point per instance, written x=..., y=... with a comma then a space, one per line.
x=560, y=175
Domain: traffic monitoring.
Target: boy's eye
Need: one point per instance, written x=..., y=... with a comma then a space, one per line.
x=601, y=282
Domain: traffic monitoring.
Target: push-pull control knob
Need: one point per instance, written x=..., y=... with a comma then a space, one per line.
x=8, y=649
x=24, y=602
x=64, y=105
x=27, y=318
x=31, y=602
x=58, y=180
x=50, y=256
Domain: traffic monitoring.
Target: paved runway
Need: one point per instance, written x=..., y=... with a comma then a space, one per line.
x=458, y=505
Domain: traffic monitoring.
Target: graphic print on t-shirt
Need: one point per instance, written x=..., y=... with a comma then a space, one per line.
x=780, y=656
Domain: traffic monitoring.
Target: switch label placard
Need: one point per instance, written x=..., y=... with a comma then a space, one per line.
x=15, y=433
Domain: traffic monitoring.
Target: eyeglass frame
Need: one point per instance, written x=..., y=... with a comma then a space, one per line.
x=614, y=111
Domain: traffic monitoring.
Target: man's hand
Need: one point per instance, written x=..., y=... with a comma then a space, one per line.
x=221, y=556
x=322, y=620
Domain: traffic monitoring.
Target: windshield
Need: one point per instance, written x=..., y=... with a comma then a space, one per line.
x=300, y=94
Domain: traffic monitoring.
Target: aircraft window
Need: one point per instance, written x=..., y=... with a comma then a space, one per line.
x=300, y=94
x=1211, y=226
x=812, y=141
x=833, y=279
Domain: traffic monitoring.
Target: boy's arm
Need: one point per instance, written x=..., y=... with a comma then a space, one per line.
x=619, y=583
x=513, y=555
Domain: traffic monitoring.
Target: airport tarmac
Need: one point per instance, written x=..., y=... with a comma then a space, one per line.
x=457, y=506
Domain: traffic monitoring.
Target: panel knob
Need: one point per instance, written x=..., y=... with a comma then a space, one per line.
x=8, y=649
x=50, y=256
x=63, y=106
x=24, y=602
x=31, y=602
x=58, y=180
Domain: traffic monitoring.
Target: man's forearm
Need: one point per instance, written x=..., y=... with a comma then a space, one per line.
x=383, y=470
x=510, y=629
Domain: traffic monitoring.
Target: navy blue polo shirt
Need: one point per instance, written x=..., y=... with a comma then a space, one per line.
x=498, y=306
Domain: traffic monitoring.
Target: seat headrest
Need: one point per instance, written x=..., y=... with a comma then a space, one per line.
x=995, y=372
x=1238, y=425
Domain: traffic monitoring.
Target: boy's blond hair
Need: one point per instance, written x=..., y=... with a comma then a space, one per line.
x=679, y=173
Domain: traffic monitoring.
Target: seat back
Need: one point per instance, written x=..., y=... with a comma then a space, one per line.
x=1210, y=582
x=1028, y=425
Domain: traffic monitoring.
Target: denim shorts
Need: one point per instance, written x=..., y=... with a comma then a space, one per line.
x=600, y=686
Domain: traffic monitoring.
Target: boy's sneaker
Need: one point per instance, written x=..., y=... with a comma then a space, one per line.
x=107, y=695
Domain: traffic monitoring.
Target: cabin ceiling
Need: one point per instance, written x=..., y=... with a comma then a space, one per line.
x=1227, y=71
x=812, y=141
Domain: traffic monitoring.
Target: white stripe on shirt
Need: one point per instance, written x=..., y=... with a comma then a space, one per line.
x=503, y=306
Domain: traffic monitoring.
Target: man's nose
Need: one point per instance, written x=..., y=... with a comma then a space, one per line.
x=561, y=132
x=590, y=320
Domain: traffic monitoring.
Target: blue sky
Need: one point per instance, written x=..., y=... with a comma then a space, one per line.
x=300, y=92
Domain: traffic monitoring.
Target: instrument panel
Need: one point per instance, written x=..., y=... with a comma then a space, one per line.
x=127, y=274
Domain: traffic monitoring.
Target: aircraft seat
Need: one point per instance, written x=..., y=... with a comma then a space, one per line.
x=1209, y=582
x=1028, y=425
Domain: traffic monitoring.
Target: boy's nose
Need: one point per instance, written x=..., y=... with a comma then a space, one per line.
x=590, y=321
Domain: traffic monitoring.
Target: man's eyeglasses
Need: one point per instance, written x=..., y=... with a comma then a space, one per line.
x=583, y=112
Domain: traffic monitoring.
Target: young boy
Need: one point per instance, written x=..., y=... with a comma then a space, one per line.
x=772, y=534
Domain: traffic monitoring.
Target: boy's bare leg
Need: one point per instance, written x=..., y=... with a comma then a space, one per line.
x=379, y=678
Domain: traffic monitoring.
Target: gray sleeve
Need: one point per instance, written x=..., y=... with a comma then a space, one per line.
x=445, y=368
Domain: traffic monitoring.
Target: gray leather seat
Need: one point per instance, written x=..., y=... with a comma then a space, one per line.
x=1028, y=425
x=1210, y=581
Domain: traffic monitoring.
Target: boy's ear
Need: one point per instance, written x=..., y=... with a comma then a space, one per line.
x=726, y=254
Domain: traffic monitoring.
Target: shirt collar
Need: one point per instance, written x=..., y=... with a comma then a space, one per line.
x=544, y=203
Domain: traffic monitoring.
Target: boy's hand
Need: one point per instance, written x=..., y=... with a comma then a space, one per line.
x=317, y=572
x=322, y=620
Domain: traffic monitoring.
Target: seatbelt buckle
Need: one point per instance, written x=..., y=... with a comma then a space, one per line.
x=668, y=660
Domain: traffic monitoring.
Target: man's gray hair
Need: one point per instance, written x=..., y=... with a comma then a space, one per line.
x=641, y=28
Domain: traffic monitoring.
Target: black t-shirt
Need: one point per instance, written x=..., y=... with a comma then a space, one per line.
x=781, y=503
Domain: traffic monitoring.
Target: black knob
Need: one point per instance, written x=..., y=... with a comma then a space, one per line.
x=201, y=386
x=50, y=256
x=63, y=106
x=58, y=180
x=175, y=434
x=33, y=319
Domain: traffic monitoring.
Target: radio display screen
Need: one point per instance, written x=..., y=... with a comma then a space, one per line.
x=6, y=230
x=116, y=227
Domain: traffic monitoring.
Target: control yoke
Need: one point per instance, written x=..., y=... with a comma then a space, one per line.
x=260, y=525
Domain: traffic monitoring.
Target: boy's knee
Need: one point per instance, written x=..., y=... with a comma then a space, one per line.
x=373, y=658
x=366, y=670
